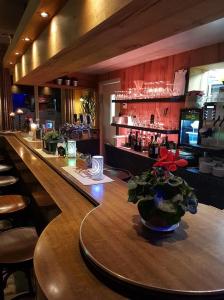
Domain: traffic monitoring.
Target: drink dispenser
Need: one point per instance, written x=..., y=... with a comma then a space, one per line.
x=190, y=123
x=212, y=131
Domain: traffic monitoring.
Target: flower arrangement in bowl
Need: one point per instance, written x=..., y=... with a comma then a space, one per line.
x=162, y=197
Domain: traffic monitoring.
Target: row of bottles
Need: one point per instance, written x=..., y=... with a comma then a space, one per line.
x=151, y=144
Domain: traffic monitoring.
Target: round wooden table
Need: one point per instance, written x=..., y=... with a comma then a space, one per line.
x=188, y=262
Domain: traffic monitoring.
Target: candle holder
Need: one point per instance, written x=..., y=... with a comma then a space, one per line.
x=19, y=112
x=71, y=148
x=97, y=167
x=12, y=117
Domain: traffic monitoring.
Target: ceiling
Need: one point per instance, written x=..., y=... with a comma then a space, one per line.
x=197, y=37
x=9, y=19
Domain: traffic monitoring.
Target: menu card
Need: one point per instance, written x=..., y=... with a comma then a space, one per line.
x=84, y=176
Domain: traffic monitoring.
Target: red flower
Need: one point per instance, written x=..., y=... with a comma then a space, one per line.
x=170, y=160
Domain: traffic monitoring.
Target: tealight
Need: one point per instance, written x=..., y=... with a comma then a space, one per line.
x=71, y=148
x=97, y=167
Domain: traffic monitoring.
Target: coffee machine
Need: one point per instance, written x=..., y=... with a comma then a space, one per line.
x=212, y=131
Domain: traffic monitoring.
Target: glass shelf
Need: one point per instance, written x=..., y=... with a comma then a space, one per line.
x=174, y=99
x=165, y=131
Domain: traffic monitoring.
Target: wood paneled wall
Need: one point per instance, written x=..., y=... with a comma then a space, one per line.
x=164, y=68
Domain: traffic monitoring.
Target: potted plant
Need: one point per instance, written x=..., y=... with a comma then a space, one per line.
x=50, y=141
x=162, y=197
x=88, y=104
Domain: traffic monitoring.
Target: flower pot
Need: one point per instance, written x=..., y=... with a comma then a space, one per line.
x=50, y=146
x=156, y=219
x=164, y=228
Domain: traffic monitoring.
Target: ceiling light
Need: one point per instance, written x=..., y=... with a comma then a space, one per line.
x=17, y=53
x=26, y=39
x=11, y=63
x=44, y=14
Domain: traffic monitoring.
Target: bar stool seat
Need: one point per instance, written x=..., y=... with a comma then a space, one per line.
x=2, y=157
x=12, y=203
x=7, y=180
x=17, y=245
x=5, y=168
x=16, y=254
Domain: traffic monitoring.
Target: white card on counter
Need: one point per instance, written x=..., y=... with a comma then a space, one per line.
x=83, y=176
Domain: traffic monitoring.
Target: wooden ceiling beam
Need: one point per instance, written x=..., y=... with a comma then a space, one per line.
x=31, y=25
x=139, y=23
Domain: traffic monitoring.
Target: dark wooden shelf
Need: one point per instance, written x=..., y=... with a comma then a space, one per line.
x=174, y=99
x=165, y=131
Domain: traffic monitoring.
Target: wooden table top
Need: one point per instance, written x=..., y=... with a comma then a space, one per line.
x=189, y=261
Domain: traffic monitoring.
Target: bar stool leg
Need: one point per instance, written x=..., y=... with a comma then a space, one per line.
x=28, y=272
x=1, y=285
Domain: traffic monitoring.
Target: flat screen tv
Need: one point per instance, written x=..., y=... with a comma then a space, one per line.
x=49, y=125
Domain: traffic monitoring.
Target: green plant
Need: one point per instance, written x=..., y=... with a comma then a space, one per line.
x=89, y=104
x=51, y=136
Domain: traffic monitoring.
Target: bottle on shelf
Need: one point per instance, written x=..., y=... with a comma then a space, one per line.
x=152, y=119
x=136, y=141
x=154, y=147
x=150, y=147
x=130, y=139
x=140, y=144
x=144, y=143
x=167, y=142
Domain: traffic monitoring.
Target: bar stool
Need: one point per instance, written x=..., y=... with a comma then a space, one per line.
x=16, y=254
x=12, y=208
x=5, y=168
x=7, y=180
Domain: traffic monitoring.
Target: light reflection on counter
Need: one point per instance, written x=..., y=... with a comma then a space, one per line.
x=72, y=162
x=21, y=152
x=97, y=191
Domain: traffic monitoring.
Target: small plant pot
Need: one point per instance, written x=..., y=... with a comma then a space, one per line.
x=50, y=146
x=59, y=81
x=67, y=82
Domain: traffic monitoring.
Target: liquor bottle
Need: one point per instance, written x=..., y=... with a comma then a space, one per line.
x=152, y=119
x=136, y=141
x=163, y=144
x=151, y=149
x=144, y=143
x=140, y=144
x=130, y=139
x=156, y=146
x=167, y=142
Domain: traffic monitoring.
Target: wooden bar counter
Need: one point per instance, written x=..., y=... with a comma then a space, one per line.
x=59, y=267
x=186, y=264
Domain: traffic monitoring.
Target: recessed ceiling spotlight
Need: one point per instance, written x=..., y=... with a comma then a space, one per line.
x=11, y=63
x=26, y=39
x=17, y=53
x=44, y=14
